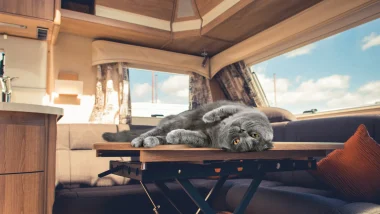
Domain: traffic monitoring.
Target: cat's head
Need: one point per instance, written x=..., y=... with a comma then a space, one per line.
x=246, y=131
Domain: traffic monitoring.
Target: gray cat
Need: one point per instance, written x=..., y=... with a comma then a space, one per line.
x=227, y=125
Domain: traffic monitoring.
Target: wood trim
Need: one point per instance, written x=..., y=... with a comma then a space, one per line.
x=50, y=162
x=326, y=16
x=174, y=153
x=174, y=156
x=278, y=146
x=114, y=23
x=224, y=16
x=184, y=34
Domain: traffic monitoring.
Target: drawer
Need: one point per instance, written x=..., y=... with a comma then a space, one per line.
x=22, y=193
x=22, y=148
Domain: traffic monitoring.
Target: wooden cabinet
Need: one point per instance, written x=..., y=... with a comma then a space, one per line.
x=22, y=193
x=27, y=158
x=43, y=9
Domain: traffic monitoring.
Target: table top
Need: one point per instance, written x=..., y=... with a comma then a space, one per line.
x=168, y=153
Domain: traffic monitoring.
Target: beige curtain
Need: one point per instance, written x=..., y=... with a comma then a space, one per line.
x=199, y=90
x=112, y=99
x=236, y=82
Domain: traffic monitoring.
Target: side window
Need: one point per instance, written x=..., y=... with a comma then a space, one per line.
x=158, y=94
x=338, y=72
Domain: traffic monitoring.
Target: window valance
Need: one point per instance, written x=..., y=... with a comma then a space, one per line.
x=146, y=58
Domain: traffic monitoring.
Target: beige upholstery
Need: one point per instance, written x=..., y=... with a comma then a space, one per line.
x=76, y=161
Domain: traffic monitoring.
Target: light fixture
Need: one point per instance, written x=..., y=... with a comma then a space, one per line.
x=12, y=25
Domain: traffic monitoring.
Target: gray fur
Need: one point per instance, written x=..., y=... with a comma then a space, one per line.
x=214, y=125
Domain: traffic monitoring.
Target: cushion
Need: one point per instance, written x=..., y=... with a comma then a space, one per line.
x=353, y=171
x=270, y=200
x=275, y=114
x=84, y=136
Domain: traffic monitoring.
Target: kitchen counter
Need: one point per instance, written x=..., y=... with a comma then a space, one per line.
x=31, y=108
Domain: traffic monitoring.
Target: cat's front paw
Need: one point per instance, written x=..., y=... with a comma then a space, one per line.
x=137, y=142
x=210, y=118
x=174, y=137
x=150, y=142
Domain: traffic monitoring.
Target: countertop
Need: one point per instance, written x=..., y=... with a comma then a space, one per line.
x=32, y=108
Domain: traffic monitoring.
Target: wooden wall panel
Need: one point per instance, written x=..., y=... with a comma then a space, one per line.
x=43, y=9
x=22, y=148
x=22, y=193
x=160, y=9
x=204, y=6
x=256, y=17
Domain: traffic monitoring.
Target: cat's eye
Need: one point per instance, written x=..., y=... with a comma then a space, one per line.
x=236, y=141
x=255, y=135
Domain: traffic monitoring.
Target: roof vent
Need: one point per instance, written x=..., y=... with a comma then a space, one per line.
x=42, y=33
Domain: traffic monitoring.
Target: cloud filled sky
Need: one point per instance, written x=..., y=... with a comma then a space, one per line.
x=171, y=89
x=338, y=72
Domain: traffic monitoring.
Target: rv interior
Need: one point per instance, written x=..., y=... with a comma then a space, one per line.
x=73, y=69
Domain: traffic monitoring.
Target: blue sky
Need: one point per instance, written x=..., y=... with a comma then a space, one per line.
x=337, y=72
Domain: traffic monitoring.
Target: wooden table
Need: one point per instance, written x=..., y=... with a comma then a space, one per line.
x=181, y=163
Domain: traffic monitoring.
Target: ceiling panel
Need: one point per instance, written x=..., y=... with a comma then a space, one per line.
x=196, y=44
x=204, y=6
x=161, y=9
x=256, y=17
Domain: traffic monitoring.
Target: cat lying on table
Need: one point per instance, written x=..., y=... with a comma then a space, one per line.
x=227, y=125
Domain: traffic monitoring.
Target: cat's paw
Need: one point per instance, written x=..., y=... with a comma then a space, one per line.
x=174, y=137
x=108, y=136
x=210, y=118
x=137, y=142
x=150, y=142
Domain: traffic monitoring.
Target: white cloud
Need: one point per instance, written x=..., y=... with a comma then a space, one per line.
x=298, y=79
x=326, y=93
x=141, y=90
x=300, y=51
x=177, y=85
x=370, y=41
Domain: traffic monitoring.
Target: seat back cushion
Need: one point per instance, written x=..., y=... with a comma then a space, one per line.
x=76, y=161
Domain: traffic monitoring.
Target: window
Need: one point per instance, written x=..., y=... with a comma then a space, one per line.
x=169, y=95
x=342, y=71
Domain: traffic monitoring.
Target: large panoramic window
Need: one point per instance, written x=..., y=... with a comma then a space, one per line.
x=342, y=71
x=158, y=94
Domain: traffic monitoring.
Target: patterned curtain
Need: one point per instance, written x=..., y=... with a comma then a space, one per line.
x=112, y=101
x=199, y=90
x=236, y=82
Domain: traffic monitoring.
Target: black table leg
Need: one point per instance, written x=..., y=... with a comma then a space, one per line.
x=193, y=193
x=166, y=191
x=215, y=190
x=249, y=194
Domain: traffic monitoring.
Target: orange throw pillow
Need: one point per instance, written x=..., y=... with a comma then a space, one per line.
x=354, y=171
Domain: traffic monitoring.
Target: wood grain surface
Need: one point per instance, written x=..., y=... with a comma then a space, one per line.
x=173, y=153
x=22, y=193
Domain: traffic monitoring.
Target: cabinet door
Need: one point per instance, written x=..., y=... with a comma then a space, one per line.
x=43, y=9
x=22, y=193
